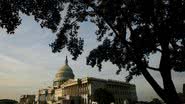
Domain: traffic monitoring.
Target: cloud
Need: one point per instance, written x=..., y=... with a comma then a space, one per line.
x=9, y=64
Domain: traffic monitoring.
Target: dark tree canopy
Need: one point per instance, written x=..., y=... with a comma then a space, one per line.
x=46, y=12
x=130, y=31
x=102, y=96
x=155, y=101
x=8, y=101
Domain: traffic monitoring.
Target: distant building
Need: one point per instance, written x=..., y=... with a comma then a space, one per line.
x=27, y=99
x=68, y=90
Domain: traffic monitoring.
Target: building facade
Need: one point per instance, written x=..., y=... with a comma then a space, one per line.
x=27, y=99
x=68, y=90
x=84, y=89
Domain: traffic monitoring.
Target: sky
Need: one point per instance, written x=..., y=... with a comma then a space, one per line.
x=27, y=63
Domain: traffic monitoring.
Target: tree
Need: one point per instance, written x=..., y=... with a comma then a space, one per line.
x=102, y=96
x=131, y=31
x=155, y=101
x=8, y=101
x=46, y=12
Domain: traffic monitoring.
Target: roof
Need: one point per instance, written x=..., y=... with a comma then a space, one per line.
x=64, y=73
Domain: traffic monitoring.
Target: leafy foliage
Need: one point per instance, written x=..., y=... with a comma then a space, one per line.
x=149, y=25
x=8, y=101
x=46, y=12
x=131, y=30
x=139, y=28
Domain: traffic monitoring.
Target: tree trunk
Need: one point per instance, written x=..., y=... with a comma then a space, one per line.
x=154, y=85
x=169, y=88
x=165, y=71
x=151, y=80
x=168, y=94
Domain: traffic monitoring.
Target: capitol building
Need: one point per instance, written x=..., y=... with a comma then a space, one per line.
x=67, y=89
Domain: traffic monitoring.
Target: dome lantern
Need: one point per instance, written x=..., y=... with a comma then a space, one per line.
x=66, y=62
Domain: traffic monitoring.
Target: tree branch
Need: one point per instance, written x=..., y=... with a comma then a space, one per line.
x=155, y=69
x=159, y=50
x=151, y=80
x=143, y=68
x=101, y=15
x=106, y=21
